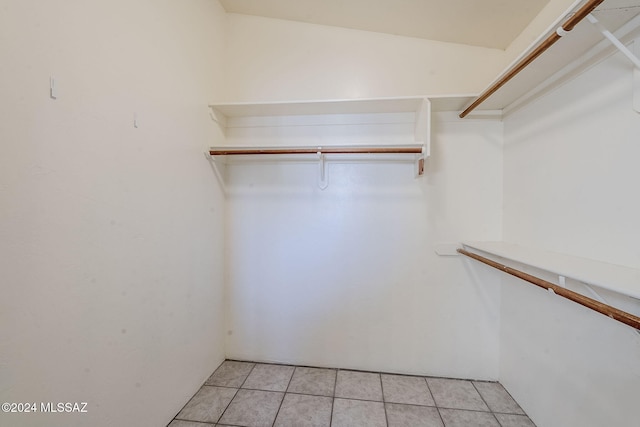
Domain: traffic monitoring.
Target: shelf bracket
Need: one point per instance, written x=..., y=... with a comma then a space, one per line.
x=422, y=134
x=617, y=43
x=633, y=57
x=219, y=118
x=599, y=298
x=218, y=167
x=595, y=294
x=420, y=166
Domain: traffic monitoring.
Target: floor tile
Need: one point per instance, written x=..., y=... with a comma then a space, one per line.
x=230, y=374
x=207, y=404
x=316, y=381
x=253, y=408
x=457, y=394
x=358, y=413
x=271, y=395
x=497, y=398
x=269, y=377
x=405, y=389
x=412, y=416
x=299, y=410
x=180, y=423
x=359, y=385
x=510, y=420
x=461, y=418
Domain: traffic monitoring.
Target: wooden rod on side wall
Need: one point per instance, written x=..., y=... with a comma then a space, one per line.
x=322, y=150
x=586, y=9
x=607, y=310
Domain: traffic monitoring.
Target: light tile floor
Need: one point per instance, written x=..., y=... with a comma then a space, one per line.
x=263, y=395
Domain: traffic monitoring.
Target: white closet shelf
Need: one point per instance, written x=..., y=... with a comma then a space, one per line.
x=340, y=106
x=350, y=124
x=389, y=129
x=575, y=51
x=319, y=107
x=616, y=278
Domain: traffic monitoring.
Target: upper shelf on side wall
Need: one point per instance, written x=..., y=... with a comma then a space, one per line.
x=578, y=49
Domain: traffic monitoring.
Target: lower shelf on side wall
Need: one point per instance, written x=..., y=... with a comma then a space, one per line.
x=617, y=278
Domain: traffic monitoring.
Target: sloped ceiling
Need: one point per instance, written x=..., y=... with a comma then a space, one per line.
x=487, y=23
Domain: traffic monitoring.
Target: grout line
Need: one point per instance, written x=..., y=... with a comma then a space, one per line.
x=258, y=389
x=433, y=397
x=286, y=390
x=333, y=400
x=235, y=394
x=227, y=407
x=281, y=391
x=481, y=396
x=468, y=410
x=307, y=394
x=334, y=397
x=435, y=404
x=384, y=406
x=363, y=370
x=323, y=395
x=510, y=413
x=440, y=415
x=365, y=400
x=522, y=411
x=245, y=378
x=283, y=396
x=282, y=364
x=397, y=403
x=431, y=393
x=204, y=423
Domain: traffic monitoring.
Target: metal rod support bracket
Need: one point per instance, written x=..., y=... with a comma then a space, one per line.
x=323, y=181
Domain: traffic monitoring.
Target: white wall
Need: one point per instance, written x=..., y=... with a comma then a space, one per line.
x=110, y=236
x=570, y=180
x=539, y=25
x=284, y=60
x=571, y=163
x=348, y=277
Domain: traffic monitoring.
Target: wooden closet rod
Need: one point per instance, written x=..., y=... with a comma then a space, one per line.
x=586, y=9
x=607, y=310
x=321, y=150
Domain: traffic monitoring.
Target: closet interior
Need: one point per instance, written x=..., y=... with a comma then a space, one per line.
x=206, y=198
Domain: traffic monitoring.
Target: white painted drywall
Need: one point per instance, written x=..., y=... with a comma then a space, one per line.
x=110, y=236
x=348, y=277
x=570, y=185
x=571, y=159
x=284, y=60
x=539, y=25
